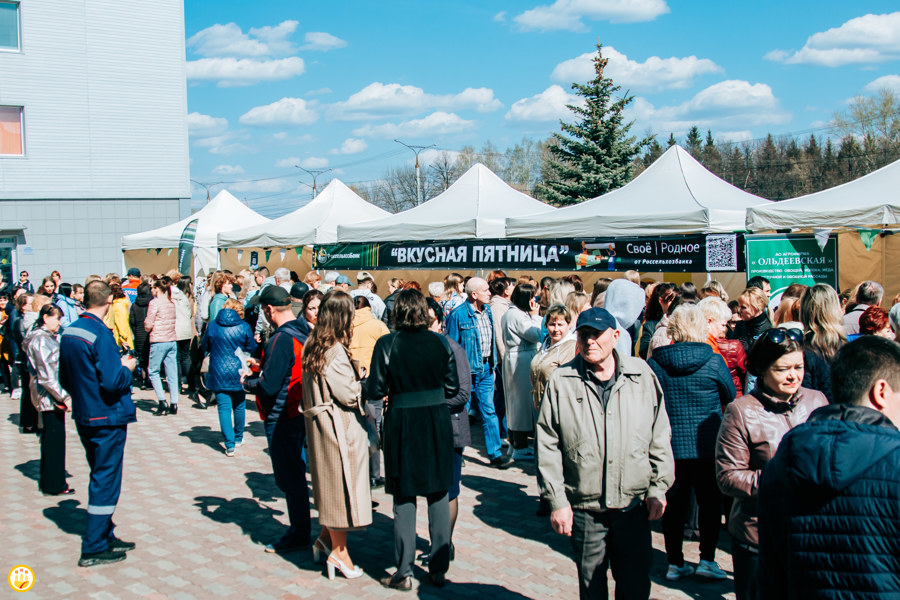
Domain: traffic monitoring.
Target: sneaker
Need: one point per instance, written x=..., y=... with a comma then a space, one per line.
x=523, y=454
x=101, y=558
x=229, y=451
x=16, y=394
x=117, y=545
x=502, y=462
x=238, y=443
x=710, y=570
x=675, y=573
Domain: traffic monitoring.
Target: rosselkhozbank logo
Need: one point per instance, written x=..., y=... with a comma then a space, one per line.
x=21, y=578
x=322, y=256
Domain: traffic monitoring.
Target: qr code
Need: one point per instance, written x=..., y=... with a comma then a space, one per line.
x=721, y=252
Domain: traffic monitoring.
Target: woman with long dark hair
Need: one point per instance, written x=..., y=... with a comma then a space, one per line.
x=336, y=433
x=49, y=398
x=67, y=304
x=416, y=369
x=160, y=323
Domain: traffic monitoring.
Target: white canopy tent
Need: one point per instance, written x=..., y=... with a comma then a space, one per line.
x=314, y=223
x=475, y=206
x=675, y=195
x=222, y=213
x=870, y=201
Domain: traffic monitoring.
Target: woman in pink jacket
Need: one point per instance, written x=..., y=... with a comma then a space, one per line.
x=160, y=323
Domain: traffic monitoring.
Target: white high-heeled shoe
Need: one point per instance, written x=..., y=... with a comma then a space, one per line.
x=344, y=569
x=320, y=550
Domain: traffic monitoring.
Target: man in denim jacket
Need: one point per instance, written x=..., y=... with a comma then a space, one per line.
x=471, y=325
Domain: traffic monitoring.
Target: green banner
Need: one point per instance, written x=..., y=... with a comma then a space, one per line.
x=787, y=259
x=186, y=248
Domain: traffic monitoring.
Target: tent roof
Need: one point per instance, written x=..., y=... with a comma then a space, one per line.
x=869, y=201
x=314, y=223
x=475, y=206
x=220, y=214
x=676, y=194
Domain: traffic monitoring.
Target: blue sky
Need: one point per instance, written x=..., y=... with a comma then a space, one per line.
x=273, y=84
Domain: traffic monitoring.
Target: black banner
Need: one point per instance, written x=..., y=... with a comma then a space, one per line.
x=689, y=254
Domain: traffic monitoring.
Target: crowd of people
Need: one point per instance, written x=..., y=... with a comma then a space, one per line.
x=637, y=401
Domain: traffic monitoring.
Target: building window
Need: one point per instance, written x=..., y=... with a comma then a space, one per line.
x=11, y=131
x=9, y=25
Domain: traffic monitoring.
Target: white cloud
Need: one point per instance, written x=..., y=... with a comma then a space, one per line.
x=229, y=142
x=653, y=74
x=287, y=162
x=432, y=155
x=732, y=103
x=266, y=185
x=549, y=105
x=500, y=17
x=437, y=123
x=867, y=39
x=200, y=125
x=319, y=40
x=229, y=40
x=351, y=146
x=287, y=111
x=890, y=82
x=318, y=92
x=234, y=72
x=228, y=170
x=734, y=136
x=567, y=14
x=392, y=99
x=314, y=162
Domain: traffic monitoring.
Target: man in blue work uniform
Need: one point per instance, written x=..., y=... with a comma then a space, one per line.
x=99, y=381
x=278, y=390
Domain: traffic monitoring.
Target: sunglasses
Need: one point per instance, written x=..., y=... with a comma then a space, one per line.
x=778, y=335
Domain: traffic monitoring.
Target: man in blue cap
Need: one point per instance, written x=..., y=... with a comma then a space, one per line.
x=605, y=458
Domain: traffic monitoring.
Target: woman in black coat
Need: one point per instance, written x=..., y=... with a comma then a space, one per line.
x=416, y=370
x=136, y=316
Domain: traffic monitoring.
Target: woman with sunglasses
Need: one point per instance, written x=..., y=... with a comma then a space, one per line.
x=751, y=430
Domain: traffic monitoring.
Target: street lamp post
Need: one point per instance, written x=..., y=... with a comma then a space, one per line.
x=417, y=150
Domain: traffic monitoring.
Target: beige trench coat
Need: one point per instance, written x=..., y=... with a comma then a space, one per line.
x=548, y=360
x=338, y=443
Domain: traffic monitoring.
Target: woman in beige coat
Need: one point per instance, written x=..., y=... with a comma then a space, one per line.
x=336, y=433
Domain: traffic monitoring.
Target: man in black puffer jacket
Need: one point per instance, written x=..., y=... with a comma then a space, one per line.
x=829, y=501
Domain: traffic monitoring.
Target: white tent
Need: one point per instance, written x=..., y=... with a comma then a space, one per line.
x=314, y=223
x=222, y=213
x=675, y=195
x=475, y=206
x=870, y=201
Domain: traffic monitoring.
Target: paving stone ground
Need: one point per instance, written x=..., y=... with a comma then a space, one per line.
x=200, y=521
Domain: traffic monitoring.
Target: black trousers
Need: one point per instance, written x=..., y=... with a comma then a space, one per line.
x=28, y=416
x=186, y=354
x=53, y=453
x=438, y=533
x=746, y=570
x=698, y=475
x=617, y=539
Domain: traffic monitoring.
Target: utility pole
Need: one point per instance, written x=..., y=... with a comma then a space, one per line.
x=417, y=150
x=314, y=173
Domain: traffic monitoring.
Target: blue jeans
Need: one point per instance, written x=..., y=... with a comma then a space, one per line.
x=231, y=403
x=483, y=394
x=164, y=353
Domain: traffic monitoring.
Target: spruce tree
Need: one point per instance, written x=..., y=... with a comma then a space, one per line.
x=694, y=142
x=595, y=154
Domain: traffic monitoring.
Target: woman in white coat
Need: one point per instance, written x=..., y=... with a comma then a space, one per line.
x=522, y=335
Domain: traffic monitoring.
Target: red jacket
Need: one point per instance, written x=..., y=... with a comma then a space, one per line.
x=736, y=359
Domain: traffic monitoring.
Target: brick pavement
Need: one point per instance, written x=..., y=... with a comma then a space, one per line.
x=200, y=521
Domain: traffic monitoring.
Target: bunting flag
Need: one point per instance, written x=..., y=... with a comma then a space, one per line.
x=282, y=252
x=186, y=247
x=822, y=236
x=868, y=237
x=299, y=251
x=158, y=250
x=268, y=254
x=240, y=255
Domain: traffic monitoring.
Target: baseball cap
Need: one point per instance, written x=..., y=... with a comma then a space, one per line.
x=299, y=289
x=363, y=275
x=596, y=318
x=274, y=295
x=133, y=272
x=342, y=279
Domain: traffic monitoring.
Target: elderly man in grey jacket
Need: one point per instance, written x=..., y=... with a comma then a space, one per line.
x=605, y=458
